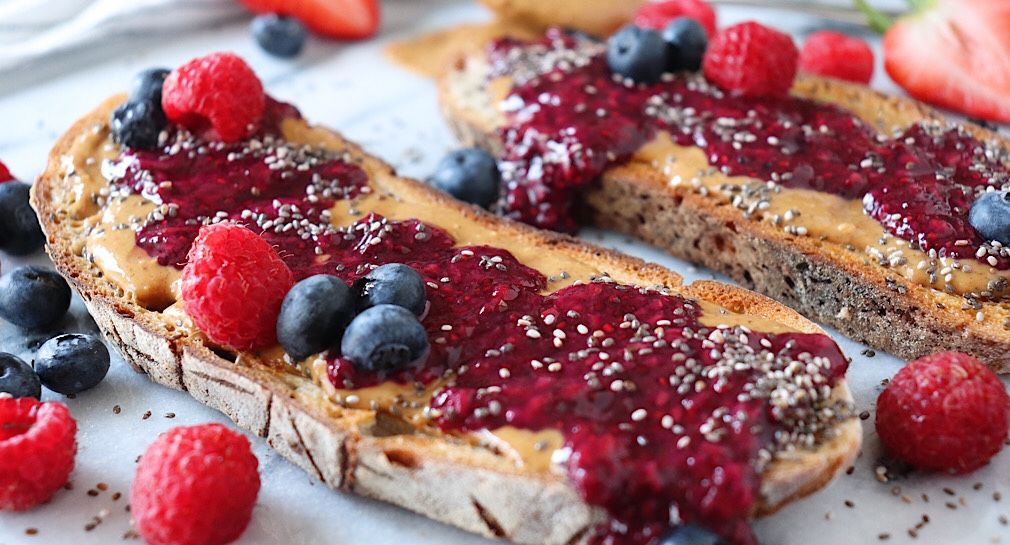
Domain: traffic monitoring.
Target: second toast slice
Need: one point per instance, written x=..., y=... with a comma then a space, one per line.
x=668, y=163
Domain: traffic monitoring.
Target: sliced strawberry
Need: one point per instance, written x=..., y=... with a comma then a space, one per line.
x=658, y=14
x=343, y=19
x=954, y=54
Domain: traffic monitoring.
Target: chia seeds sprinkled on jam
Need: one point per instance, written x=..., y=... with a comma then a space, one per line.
x=665, y=420
x=569, y=119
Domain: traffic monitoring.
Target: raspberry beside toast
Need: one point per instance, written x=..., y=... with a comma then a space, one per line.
x=488, y=481
x=813, y=244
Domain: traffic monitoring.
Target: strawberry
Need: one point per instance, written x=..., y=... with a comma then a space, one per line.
x=951, y=53
x=344, y=19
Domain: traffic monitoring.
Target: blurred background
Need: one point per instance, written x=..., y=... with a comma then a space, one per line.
x=42, y=38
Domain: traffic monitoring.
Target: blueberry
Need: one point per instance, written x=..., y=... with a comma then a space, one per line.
x=392, y=284
x=17, y=378
x=471, y=175
x=314, y=315
x=33, y=297
x=686, y=42
x=147, y=85
x=637, y=53
x=20, y=233
x=279, y=35
x=138, y=124
x=990, y=216
x=384, y=339
x=690, y=535
x=72, y=363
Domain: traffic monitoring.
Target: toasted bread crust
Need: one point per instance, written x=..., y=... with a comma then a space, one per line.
x=355, y=450
x=820, y=280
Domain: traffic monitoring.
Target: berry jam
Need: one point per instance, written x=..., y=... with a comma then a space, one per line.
x=569, y=119
x=665, y=420
x=260, y=181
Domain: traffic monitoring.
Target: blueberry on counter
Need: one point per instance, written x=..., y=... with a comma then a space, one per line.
x=470, y=175
x=17, y=378
x=392, y=284
x=279, y=35
x=637, y=53
x=990, y=216
x=314, y=315
x=690, y=535
x=20, y=233
x=148, y=84
x=33, y=297
x=686, y=42
x=137, y=124
x=72, y=363
x=384, y=339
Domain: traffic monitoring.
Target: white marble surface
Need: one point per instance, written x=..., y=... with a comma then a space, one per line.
x=393, y=114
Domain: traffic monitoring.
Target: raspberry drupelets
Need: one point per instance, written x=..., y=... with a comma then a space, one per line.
x=944, y=412
x=195, y=485
x=656, y=15
x=568, y=120
x=37, y=448
x=217, y=95
x=751, y=59
x=233, y=285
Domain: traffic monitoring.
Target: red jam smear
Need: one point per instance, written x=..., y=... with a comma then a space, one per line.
x=651, y=407
x=660, y=414
x=259, y=181
x=569, y=120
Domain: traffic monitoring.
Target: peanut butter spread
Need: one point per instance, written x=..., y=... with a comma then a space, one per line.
x=110, y=218
x=819, y=215
x=434, y=53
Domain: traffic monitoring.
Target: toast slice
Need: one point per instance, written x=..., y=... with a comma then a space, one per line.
x=909, y=304
x=461, y=479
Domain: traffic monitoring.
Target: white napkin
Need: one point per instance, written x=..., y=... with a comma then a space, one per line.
x=32, y=31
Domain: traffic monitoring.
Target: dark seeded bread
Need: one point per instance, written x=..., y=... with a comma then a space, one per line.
x=448, y=480
x=821, y=280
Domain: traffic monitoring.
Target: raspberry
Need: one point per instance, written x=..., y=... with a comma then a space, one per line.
x=217, y=96
x=656, y=15
x=945, y=412
x=233, y=286
x=751, y=59
x=195, y=485
x=5, y=174
x=836, y=55
x=37, y=448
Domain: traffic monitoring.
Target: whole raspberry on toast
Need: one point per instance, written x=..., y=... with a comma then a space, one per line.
x=448, y=332
x=870, y=213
